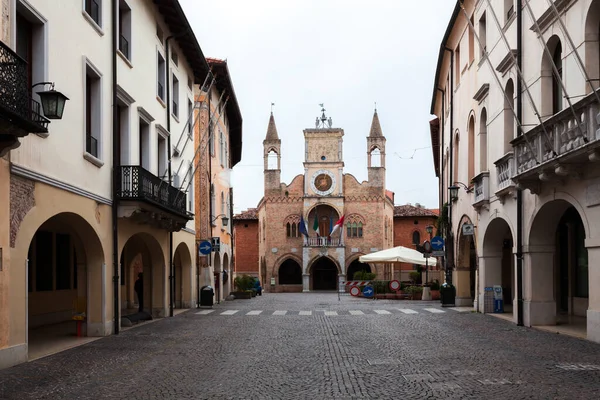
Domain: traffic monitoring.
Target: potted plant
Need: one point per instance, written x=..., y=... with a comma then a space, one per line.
x=435, y=289
x=416, y=292
x=243, y=285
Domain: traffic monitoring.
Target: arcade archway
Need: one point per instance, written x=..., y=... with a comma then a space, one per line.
x=290, y=273
x=182, y=279
x=498, y=263
x=324, y=274
x=356, y=266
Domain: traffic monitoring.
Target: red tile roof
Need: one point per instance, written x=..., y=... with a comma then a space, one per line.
x=408, y=210
x=249, y=214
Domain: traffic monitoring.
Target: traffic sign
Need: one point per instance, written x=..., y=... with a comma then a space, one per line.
x=438, y=253
x=437, y=243
x=204, y=248
x=394, y=285
x=368, y=291
x=355, y=291
x=427, y=246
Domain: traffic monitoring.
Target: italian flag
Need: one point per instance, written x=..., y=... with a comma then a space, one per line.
x=316, y=225
x=338, y=225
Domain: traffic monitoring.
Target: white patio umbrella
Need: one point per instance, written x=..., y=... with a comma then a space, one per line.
x=398, y=254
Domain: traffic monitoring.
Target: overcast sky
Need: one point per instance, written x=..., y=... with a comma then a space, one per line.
x=347, y=54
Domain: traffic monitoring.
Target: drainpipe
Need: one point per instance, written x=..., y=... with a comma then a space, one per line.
x=450, y=236
x=441, y=153
x=116, y=160
x=171, y=270
x=519, y=282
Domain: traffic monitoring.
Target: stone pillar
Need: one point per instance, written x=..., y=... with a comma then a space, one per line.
x=539, y=304
x=593, y=312
x=305, y=283
x=341, y=280
x=490, y=274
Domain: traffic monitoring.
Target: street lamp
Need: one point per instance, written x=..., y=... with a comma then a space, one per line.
x=454, y=190
x=53, y=102
x=224, y=219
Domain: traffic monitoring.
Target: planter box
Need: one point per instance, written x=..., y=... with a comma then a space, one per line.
x=435, y=295
x=242, y=295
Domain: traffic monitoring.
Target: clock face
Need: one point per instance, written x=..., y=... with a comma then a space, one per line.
x=323, y=182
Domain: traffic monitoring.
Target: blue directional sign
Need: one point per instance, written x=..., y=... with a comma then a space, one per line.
x=368, y=291
x=437, y=243
x=204, y=247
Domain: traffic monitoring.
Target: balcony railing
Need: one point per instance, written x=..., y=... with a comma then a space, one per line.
x=137, y=183
x=564, y=136
x=16, y=105
x=504, y=171
x=481, y=193
x=322, y=242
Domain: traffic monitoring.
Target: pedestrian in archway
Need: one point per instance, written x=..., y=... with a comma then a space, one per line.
x=139, y=290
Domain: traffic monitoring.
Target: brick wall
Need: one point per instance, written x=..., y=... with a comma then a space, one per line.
x=403, y=233
x=246, y=247
x=21, y=201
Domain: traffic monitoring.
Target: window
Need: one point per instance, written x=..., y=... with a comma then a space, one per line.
x=457, y=65
x=93, y=111
x=175, y=101
x=125, y=29
x=144, y=144
x=272, y=160
x=175, y=58
x=162, y=157
x=471, y=150
x=190, y=122
x=222, y=203
x=354, y=226
x=190, y=83
x=556, y=79
x=471, y=41
x=455, y=160
x=221, y=148
x=375, y=158
x=509, y=120
x=416, y=237
x=483, y=34
x=159, y=34
x=93, y=9
x=161, y=71
x=292, y=226
x=483, y=141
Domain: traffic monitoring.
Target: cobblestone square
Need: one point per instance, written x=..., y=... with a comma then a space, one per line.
x=285, y=352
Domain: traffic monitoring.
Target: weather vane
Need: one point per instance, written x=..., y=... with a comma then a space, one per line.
x=272, y=104
x=323, y=122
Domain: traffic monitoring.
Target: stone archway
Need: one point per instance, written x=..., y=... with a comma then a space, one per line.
x=64, y=278
x=465, y=273
x=324, y=274
x=290, y=276
x=497, y=264
x=226, y=275
x=356, y=266
x=218, y=292
x=182, y=279
x=143, y=254
x=556, y=282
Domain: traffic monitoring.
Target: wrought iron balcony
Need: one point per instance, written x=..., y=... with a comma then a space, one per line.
x=481, y=193
x=322, y=242
x=559, y=146
x=19, y=113
x=138, y=184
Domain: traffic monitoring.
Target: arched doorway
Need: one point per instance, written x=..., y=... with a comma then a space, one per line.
x=142, y=254
x=217, y=276
x=558, y=265
x=466, y=266
x=225, y=275
x=290, y=273
x=64, y=279
x=182, y=278
x=324, y=274
x=356, y=266
x=498, y=263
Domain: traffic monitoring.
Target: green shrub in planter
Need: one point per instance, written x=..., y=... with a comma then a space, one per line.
x=364, y=276
x=435, y=285
x=244, y=283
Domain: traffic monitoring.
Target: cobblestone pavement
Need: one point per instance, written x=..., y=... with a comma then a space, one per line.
x=293, y=355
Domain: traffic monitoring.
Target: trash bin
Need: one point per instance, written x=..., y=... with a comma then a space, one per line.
x=498, y=306
x=206, y=296
x=447, y=295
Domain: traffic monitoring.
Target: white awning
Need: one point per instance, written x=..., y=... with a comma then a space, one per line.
x=398, y=254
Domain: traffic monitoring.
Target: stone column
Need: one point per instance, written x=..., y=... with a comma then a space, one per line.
x=539, y=304
x=305, y=283
x=490, y=274
x=593, y=312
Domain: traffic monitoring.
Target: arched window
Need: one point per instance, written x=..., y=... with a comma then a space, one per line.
x=359, y=229
x=288, y=229
x=416, y=237
x=509, y=120
x=222, y=203
x=471, y=155
x=557, y=93
x=455, y=177
x=592, y=45
x=213, y=206
x=375, y=158
x=483, y=141
x=272, y=160
x=294, y=232
x=354, y=226
x=292, y=226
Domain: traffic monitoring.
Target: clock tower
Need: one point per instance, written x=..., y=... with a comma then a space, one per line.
x=323, y=165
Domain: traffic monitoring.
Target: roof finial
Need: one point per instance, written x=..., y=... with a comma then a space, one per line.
x=323, y=122
x=375, y=107
x=272, y=104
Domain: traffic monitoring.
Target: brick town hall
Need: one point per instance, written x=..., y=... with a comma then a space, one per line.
x=295, y=262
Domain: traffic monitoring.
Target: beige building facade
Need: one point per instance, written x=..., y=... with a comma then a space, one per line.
x=291, y=261
x=98, y=196
x=516, y=132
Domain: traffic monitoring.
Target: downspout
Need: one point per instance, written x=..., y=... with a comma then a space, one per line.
x=210, y=186
x=116, y=161
x=441, y=153
x=519, y=282
x=450, y=235
x=168, y=81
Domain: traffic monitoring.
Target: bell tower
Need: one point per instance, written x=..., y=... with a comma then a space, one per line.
x=272, y=157
x=376, y=153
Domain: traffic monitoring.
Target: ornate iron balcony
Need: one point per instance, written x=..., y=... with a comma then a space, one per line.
x=19, y=113
x=322, y=242
x=137, y=183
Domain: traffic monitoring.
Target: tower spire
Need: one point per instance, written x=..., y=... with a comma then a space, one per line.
x=375, y=125
x=272, y=129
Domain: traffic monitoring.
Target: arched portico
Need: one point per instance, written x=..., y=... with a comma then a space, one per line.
x=217, y=269
x=143, y=254
x=556, y=278
x=465, y=272
x=497, y=264
x=323, y=274
x=355, y=266
x=182, y=279
x=225, y=275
